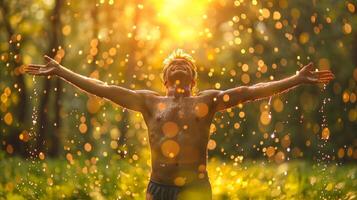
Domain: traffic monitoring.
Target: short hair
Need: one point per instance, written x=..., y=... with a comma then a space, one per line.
x=179, y=53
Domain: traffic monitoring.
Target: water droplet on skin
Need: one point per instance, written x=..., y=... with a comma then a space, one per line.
x=269, y=103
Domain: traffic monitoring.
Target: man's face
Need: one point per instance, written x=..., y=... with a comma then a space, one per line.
x=179, y=72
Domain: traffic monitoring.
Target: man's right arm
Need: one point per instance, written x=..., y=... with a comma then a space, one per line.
x=130, y=99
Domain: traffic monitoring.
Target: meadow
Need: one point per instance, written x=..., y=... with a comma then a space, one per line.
x=115, y=178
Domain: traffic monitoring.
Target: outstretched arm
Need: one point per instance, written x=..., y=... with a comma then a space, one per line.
x=232, y=97
x=131, y=99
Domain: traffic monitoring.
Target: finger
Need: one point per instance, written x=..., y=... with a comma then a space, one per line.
x=28, y=70
x=310, y=66
x=324, y=82
x=48, y=59
x=321, y=71
x=35, y=65
x=34, y=68
x=325, y=79
x=33, y=72
x=326, y=76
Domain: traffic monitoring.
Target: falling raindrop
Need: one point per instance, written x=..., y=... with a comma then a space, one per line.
x=33, y=153
x=324, y=156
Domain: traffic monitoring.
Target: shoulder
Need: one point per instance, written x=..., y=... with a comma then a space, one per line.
x=209, y=96
x=210, y=92
x=148, y=98
x=147, y=93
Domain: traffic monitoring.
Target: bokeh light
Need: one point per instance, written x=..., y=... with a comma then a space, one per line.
x=60, y=142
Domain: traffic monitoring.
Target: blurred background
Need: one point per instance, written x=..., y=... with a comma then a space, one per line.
x=44, y=119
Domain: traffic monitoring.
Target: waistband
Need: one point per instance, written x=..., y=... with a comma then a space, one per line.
x=192, y=183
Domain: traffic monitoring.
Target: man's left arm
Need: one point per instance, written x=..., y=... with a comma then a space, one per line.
x=232, y=97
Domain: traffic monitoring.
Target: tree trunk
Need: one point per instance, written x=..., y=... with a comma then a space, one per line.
x=44, y=120
x=130, y=71
x=15, y=61
x=57, y=37
x=92, y=67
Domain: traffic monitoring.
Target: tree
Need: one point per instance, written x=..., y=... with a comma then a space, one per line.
x=15, y=62
x=44, y=118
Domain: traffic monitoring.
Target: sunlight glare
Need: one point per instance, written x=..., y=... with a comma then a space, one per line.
x=183, y=21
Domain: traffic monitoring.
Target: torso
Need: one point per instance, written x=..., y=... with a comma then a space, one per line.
x=178, y=134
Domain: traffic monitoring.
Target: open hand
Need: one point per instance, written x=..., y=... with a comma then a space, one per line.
x=309, y=75
x=50, y=68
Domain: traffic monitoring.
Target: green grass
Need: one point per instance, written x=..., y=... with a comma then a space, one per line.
x=113, y=178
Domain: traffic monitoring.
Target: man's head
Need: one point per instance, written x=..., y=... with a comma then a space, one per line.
x=179, y=69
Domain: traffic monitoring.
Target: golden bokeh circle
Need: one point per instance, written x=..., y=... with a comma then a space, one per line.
x=325, y=133
x=211, y=144
x=83, y=128
x=87, y=147
x=270, y=151
x=279, y=157
x=180, y=181
x=201, y=109
x=265, y=118
x=170, y=129
x=226, y=98
x=41, y=155
x=170, y=148
x=161, y=106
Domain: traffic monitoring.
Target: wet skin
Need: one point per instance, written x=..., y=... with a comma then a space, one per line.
x=178, y=127
x=178, y=133
x=178, y=123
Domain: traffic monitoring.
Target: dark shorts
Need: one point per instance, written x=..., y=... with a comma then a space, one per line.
x=196, y=190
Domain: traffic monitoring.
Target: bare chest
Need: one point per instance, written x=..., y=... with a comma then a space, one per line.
x=181, y=112
x=175, y=118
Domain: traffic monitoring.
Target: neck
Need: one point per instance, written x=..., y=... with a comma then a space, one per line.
x=179, y=91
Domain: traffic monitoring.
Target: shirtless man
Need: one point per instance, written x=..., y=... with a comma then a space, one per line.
x=178, y=123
